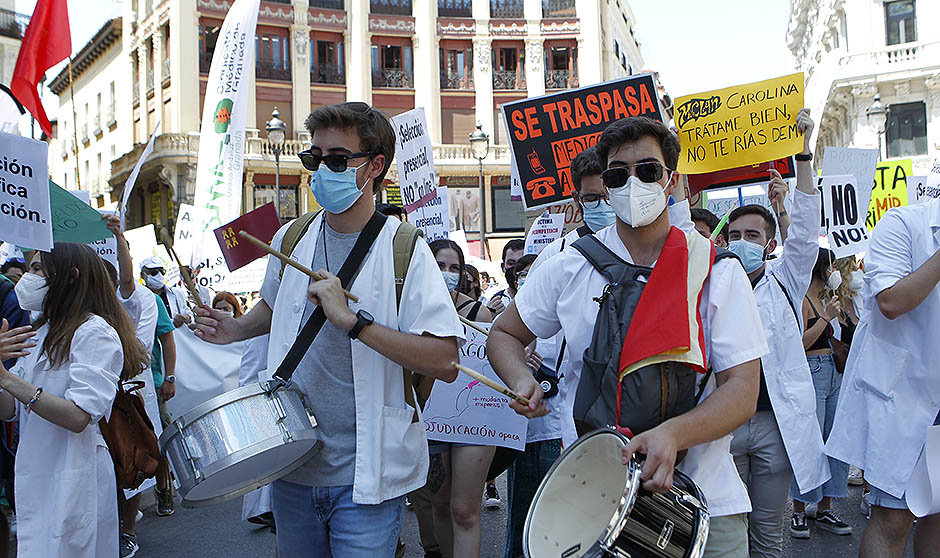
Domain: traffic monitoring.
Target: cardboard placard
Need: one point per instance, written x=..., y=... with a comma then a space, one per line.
x=842, y=215
x=547, y=132
x=433, y=218
x=261, y=223
x=889, y=189
x=750, y=175
x=25, y=208
x=741, y=125
x=919, y=192
x=545, y=230
x=859, y=163
x=73, y=220
x=414, y=156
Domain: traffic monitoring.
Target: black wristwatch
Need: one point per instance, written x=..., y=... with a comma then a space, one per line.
x=364, y=320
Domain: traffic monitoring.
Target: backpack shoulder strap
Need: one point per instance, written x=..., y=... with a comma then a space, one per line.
x=583, y=231
x=403, y=247
x=604, y=261
x=722, y=254
x=295, y=231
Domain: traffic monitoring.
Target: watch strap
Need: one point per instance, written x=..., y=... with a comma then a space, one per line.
x=361, y=323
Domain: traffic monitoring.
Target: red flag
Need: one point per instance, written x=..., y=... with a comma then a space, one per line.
x=47, y=42
x=261, y=223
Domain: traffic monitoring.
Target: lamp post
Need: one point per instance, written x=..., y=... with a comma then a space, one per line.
x=480, y=145
x=878, y=115
x=277, y=133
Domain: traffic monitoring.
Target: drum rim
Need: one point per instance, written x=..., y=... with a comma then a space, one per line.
x=251, y=451
x=213, y=404
x=623, y=508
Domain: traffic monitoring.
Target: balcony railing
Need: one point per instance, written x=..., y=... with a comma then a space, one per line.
x=13, y=24
x=327, y=73
x=392, y=77
x=893, y=55
x=454, y=80
x=558, y=8
x=391, y=7
x=165, y=68
x=272, y=69
x=560, y=79
x=508, y=80
x=328, y=4
x=455, y=8
x=506, y=9
x=205, y=61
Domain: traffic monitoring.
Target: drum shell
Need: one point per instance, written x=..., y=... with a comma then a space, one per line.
x=242, y=439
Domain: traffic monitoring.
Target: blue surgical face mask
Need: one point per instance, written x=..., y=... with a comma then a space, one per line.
x=751, y=254
x=335, y=191
x=599, y=217
x=451, y=279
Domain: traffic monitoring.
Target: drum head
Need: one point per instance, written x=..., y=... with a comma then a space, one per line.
x=579, y=498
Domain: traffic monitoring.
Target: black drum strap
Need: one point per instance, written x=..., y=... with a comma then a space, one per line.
x=318, y=318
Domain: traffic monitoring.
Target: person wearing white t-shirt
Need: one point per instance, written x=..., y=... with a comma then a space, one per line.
x=346, y=500
x=558, y=296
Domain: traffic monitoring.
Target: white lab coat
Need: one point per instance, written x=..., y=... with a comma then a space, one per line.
x=142, y=308
x=392, y=453
x=891, y=390
x=66, y=493
x=177, y=298
x=254, y=360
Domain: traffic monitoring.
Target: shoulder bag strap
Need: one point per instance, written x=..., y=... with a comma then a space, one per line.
x=403, y=247
x=318, y=318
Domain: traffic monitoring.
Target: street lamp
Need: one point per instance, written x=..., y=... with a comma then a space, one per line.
x=480, y=145
x=878, y=115
x=277, y=133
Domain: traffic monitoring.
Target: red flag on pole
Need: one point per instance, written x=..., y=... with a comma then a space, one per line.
x=47, y=42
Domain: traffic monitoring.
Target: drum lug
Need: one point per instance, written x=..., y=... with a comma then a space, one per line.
x=281, y=417
x=190, y=449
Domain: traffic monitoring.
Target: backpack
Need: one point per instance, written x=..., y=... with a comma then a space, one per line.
x=131, y=441
x=649, y=395
x=403, y=246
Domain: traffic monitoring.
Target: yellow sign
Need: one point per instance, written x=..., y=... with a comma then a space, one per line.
x=889, y=189
x=741, y=125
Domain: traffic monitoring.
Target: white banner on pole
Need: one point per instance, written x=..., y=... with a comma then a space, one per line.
x=842, y=215
x=25, y=214
x=222, y=134
x=132, y=178
x=414, y=156
x=466, y=411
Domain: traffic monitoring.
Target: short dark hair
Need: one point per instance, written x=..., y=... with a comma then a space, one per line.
x=390, y=210
x=374, y=130
x=770, y=225
x=523, y=262
x=824, y=259
x=10, y=264
x=701, y=214
x=514, y=244
x=633, y=128
x=584, y=164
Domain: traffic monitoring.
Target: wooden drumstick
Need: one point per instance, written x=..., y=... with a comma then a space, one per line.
x=472, y=325
x=279, y=255
x=490, y=383
x=184, y=270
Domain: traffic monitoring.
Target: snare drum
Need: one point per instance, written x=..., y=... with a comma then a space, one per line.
x=591, y=506
x=239, y=441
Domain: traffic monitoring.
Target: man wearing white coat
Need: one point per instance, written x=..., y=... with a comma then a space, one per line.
x=783, y=439
x=891, y=391
x=347, y=500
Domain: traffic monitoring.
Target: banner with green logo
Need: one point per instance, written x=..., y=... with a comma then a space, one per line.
x=224, y=117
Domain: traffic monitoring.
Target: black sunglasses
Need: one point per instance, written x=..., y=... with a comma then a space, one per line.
x=153, y=270
x=650, y=171
x=334, y=162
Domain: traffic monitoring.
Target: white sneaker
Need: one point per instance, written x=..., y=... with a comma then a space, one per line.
x=140, y=515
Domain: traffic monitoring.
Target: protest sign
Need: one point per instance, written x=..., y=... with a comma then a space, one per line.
x=515, y=184
x=889, y=189
x=261, y=223
x=184, y=235
x=414, y=156
x=740, y=125
x=142, y=243
x=545, y=230
x=466, y=411
x=83, y=195
x=74, y=220
x=214, y=274
x=932, y=184
x=574, y=218
x=433, y=218
x=918, y=192
x=842, y=216
x=750, y=175
x=25, y=213
x=135, y=172
x=859, y=163
x=106, y=248
x=393, y=195
x=546, y=133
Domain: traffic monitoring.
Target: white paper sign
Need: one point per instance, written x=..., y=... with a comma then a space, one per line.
x=544, y=230
x=842, y=217
x=187, y=222
x=216, y=276
x=142, y=243
x=415, y=158
x=433, y=218
x=107, y=247
x=132, y=178
x=25, y=215
x=466, y=411
x=932, y=184
x=859, y=163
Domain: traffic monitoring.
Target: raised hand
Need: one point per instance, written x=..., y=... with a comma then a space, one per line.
x=16, y=342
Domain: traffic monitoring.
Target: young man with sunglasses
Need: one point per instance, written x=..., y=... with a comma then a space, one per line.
x=783, y=439
x=640, y=155
x=346, y=500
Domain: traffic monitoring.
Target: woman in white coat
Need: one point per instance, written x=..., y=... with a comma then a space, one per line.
x=65, y=483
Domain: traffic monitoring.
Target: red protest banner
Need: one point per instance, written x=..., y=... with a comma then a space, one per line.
x=261, y=223
x=547, y=132
x=740, y=176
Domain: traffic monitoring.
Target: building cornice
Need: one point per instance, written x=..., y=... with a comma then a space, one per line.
x=109, y=34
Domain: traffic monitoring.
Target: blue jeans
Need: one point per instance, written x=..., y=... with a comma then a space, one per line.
x=827, y=381
x=322, y=522
x=525, y=476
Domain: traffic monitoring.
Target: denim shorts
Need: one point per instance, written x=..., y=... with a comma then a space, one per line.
x=879, y=497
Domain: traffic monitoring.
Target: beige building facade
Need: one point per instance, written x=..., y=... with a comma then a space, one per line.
x=459, y=59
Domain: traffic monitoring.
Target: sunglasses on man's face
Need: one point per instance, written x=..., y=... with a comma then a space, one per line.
x=335, y=162
x=650, y=171
x=153, y=271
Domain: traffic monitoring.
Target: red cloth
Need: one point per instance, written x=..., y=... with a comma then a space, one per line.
x=47, y=42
